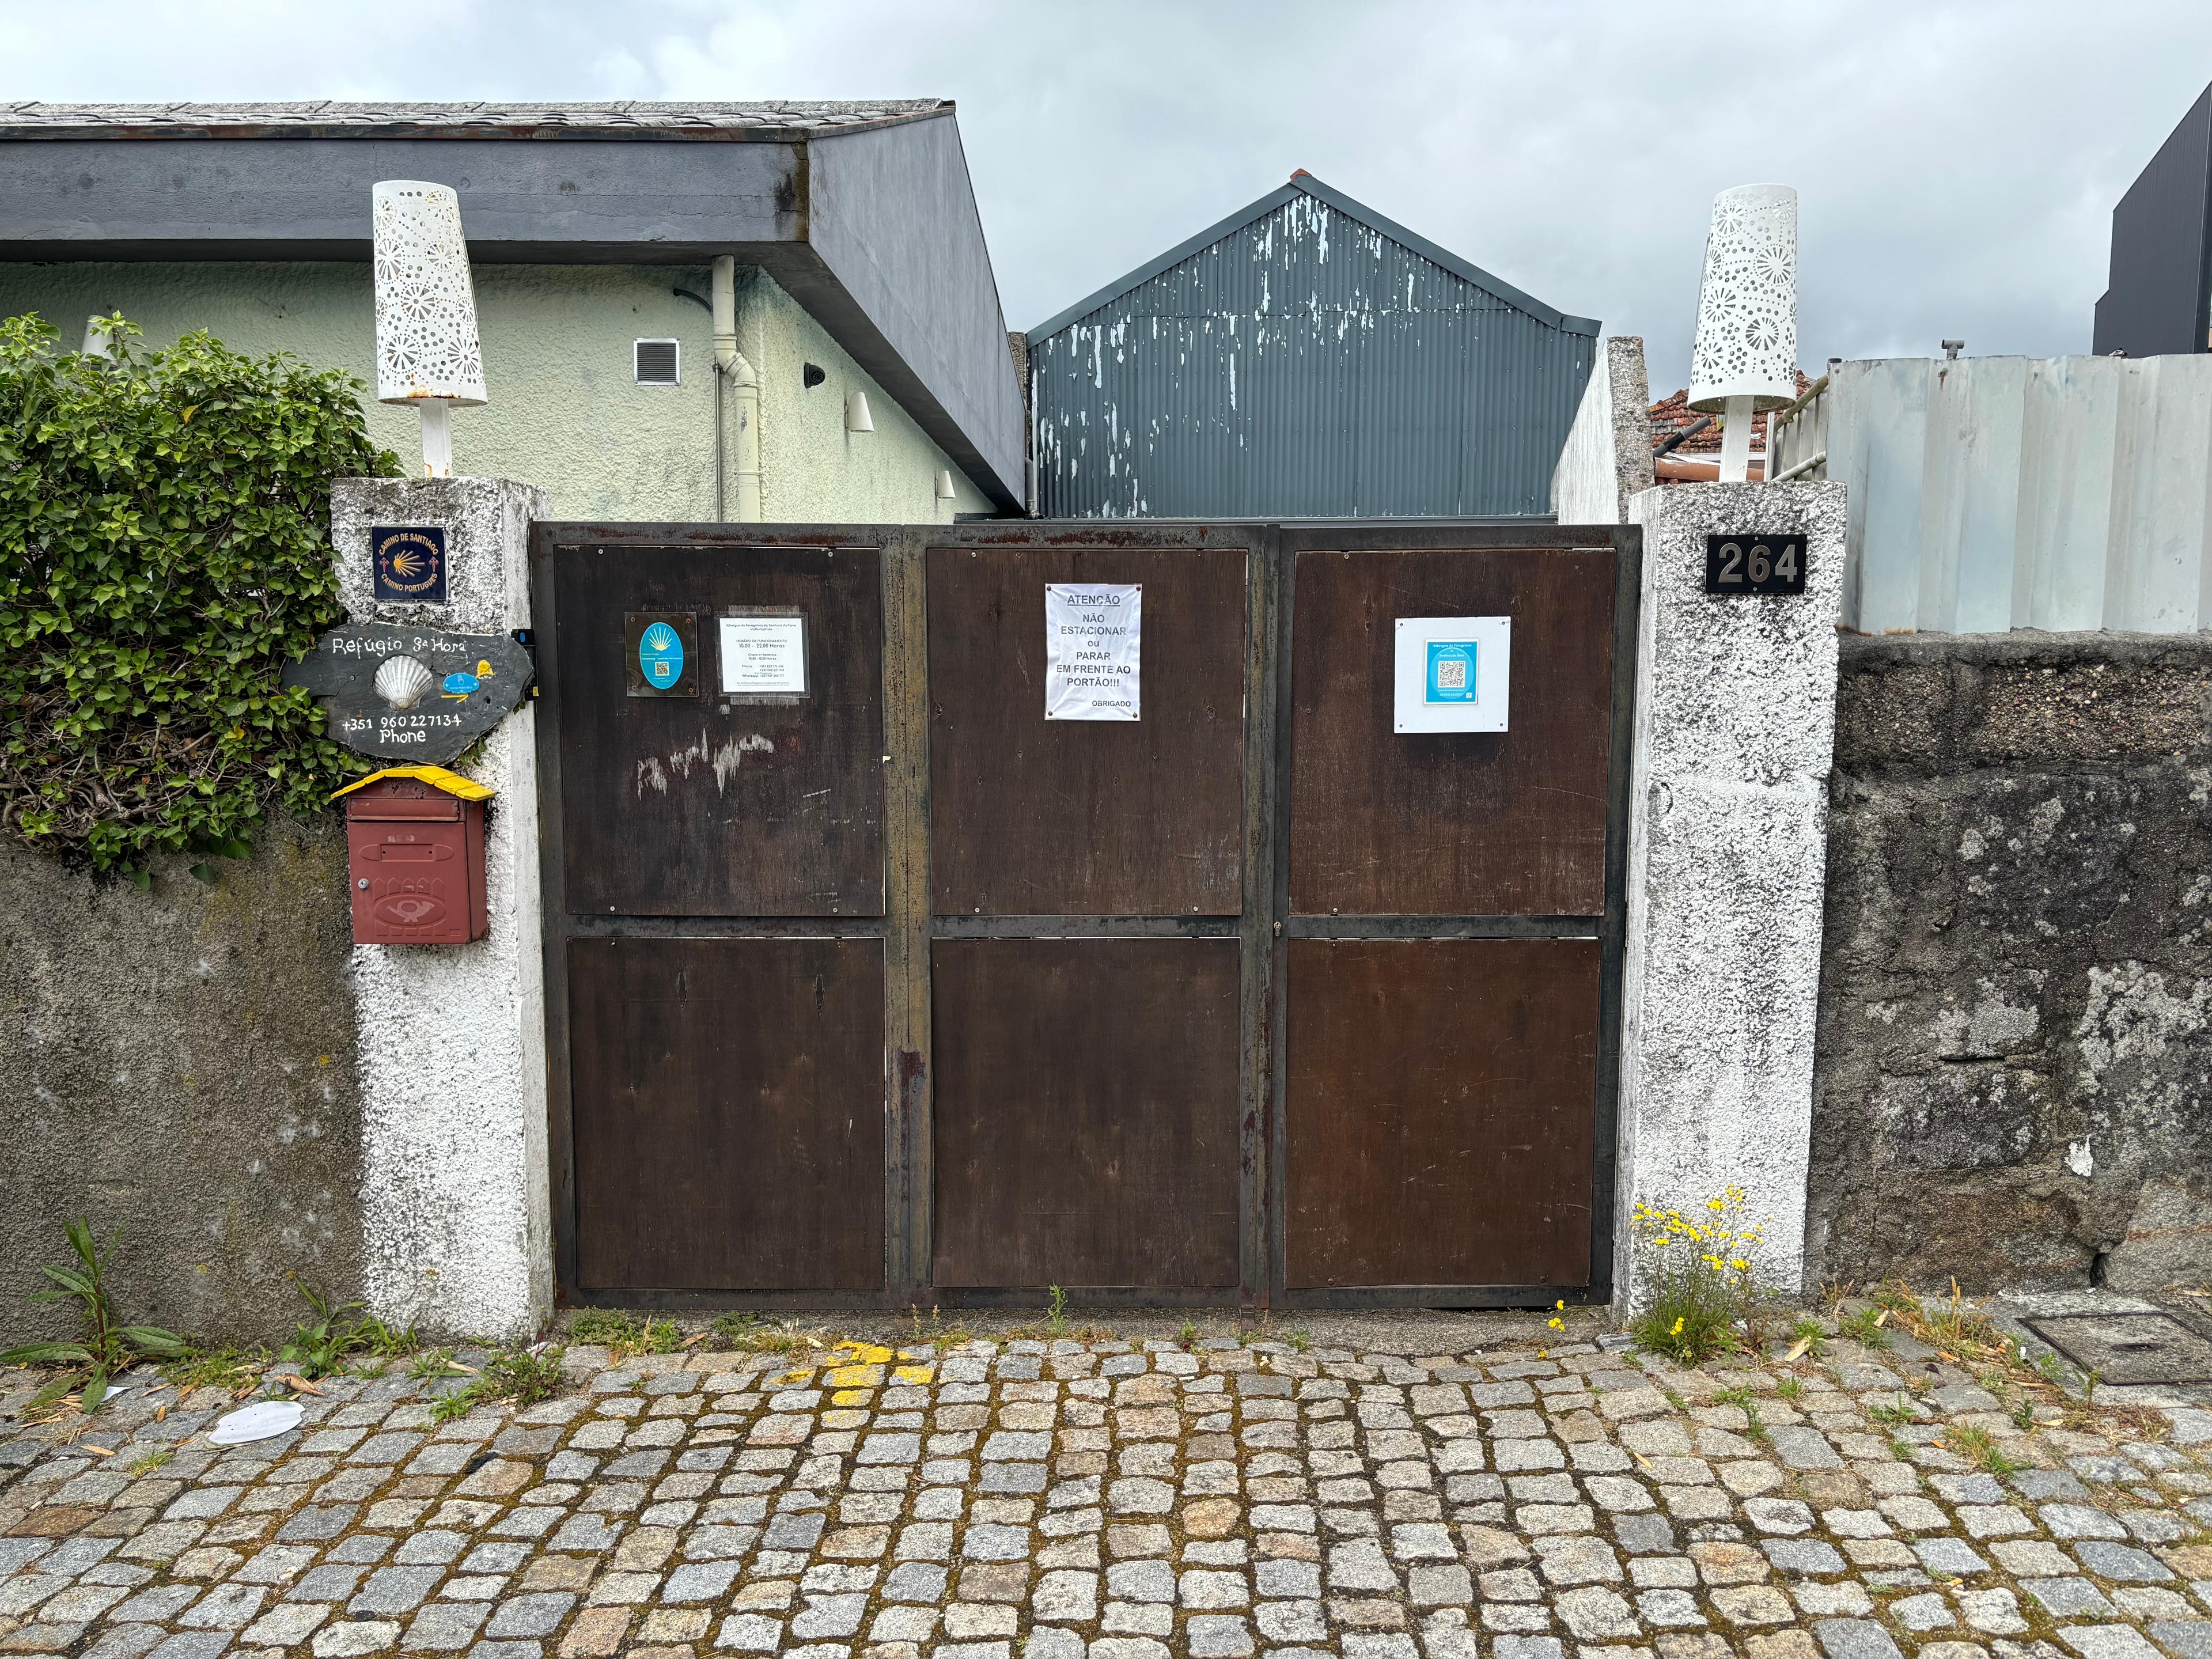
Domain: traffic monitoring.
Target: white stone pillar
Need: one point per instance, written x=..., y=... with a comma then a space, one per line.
x=456, y=1221
x=1736, y=714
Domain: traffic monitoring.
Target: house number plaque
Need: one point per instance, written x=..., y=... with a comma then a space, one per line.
x=1764, y=565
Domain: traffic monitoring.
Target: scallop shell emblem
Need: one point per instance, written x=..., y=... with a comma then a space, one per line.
x=401, y=681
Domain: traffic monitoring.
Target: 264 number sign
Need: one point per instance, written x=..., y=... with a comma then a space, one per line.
x=1754, y=564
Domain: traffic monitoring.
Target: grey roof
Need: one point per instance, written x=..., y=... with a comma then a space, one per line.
x=1303, y=183
x=769, y=119
x=864, y=212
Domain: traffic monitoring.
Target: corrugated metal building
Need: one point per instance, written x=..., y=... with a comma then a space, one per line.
x=1304, y=358
x=2160, y=298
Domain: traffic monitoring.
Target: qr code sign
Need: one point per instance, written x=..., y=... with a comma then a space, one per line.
x=1451, y=675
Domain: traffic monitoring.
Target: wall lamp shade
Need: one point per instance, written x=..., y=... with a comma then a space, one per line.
x=426, y=306
x=1747, y=304
x=946, y=492
x=856, y=413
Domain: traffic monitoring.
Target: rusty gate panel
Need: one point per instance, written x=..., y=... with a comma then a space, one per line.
x=1461, y=824
x=1080, y=818
x=901, y=990
x=704, y=805
x=1086, y=1113
x=1440, y=1099
x=728, y=1113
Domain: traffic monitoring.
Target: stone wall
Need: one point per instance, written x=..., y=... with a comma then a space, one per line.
x=2015, y=1029
x=180, y=1066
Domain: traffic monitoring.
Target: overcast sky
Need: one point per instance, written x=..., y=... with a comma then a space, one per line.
x=1957, y=164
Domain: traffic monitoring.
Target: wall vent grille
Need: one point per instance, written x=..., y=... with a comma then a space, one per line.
x=659, y=363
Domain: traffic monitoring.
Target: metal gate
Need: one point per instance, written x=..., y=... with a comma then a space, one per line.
x=894, y=991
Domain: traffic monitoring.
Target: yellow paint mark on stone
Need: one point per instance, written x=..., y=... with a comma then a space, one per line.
x=863, y=1354
x=912, y=1374
x=796, y=1375
x=843, y=1419
x=852, y=1397
x=854, y=1377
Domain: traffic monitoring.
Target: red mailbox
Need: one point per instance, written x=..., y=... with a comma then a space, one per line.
x=415, y=857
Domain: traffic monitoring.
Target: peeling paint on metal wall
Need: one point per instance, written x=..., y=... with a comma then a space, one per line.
x=1306, y=365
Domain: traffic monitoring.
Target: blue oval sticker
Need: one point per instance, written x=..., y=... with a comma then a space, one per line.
x=660, y=656
x=459, y=685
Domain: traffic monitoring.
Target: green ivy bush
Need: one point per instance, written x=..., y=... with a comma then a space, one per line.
x=164, y=554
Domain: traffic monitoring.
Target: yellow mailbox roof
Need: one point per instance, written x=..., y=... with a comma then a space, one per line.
x=436, y=776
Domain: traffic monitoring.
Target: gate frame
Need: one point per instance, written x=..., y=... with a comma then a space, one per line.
x=907, y=929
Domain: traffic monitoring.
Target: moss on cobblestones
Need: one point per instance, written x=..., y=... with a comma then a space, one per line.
x=1119, y=1500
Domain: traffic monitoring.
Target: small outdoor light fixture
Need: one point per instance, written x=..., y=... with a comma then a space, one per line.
x=427, y=352
x=856, y=413
x=946, y=492
x=1746, y=357
x=1953, y=348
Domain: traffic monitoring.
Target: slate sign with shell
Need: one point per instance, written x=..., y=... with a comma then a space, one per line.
x=422, y=694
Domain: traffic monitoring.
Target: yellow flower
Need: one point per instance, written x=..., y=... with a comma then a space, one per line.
x=1677, y=1331
x=1740, y=1265
x=1712, y=1204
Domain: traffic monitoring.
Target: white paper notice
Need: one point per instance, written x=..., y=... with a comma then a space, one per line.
x=1092, y=636
x=763, y=656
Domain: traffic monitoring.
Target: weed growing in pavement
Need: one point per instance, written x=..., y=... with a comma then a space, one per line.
x=731, y=1329
x=106, y=1341
x=1187, y=1335
x=1978, y=1447
x=2140, y=1422
x=1809, y=1336
x=435, y=1365
x=152, y=1460
x=936, y=1333
x=1864, y=1327
x=1788, y=1387
x=786, y=1338
x=1299, y=1341
x=1896, y=1412
x=2023, y=1413
x=623, y=1334
x=388, y=1342
x=1056, y=1311
x=604, y=1327
x=319, y=1345
x=1701, y=1272
x=228, y=1369
x=518, y=1375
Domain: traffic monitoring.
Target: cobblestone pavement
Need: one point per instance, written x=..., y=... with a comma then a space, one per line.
x=1124, y=1500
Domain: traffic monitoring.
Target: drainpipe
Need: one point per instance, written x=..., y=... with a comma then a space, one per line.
x=730, y=364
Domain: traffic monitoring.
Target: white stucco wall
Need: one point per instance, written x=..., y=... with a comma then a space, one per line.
x=565, y=413
x=457, y=1229
x=1608, y=456
x=1735, y=705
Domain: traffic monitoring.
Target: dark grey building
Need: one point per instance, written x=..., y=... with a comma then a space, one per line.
x=1304, y=358
x=2158, y=299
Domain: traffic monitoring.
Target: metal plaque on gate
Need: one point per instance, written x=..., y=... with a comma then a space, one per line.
x=1451, y=673
x=660, y=653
